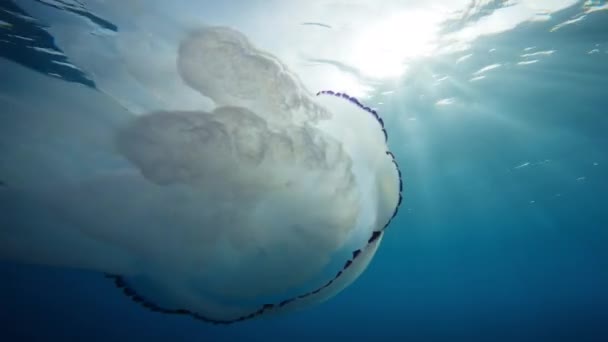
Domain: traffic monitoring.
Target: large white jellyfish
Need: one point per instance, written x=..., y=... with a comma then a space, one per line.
x=275, y=200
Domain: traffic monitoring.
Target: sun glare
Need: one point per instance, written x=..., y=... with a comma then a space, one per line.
x=383, y=48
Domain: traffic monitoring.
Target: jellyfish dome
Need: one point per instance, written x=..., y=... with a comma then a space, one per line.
x=275, y=200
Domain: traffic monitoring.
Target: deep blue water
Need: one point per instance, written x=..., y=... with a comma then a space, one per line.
x=503, y=234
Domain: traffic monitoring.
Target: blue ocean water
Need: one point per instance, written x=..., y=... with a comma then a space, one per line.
x=502, y=234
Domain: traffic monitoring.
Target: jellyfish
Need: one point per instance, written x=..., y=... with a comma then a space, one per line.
x=275, y=200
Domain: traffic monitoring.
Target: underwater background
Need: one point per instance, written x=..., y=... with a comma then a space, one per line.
x=503, y=143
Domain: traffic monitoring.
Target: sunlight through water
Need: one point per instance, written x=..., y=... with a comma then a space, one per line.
x=230, y=161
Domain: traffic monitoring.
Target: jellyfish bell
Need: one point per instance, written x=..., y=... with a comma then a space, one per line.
x=283, y=228
x=273, y=201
